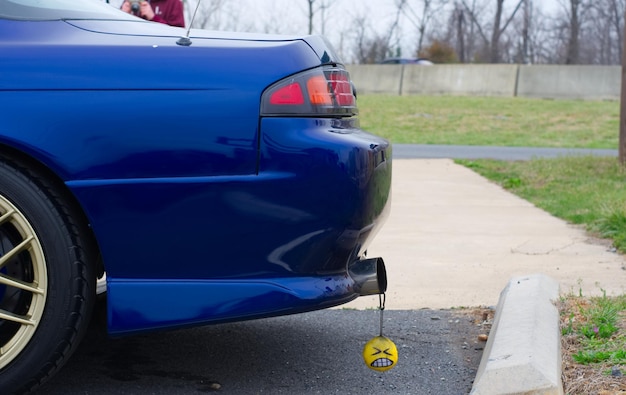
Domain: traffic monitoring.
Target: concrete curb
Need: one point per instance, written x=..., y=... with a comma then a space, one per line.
x=523, y=353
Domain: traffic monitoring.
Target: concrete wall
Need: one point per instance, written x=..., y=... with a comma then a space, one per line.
x=377, y=78
x=541, y=81
x=472, y=80
x=572, y=82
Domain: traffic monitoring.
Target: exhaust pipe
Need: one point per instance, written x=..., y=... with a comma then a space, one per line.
x=369, y=275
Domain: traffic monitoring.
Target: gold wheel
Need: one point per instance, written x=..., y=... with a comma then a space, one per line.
x=47, y=283
x=23, y=282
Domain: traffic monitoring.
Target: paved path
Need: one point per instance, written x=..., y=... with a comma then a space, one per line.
x=423, y=151
x=455, y=239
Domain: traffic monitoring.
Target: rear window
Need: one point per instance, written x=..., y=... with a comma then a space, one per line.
x=39, y=10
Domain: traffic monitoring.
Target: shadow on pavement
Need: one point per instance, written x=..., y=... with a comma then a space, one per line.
x=317, y=352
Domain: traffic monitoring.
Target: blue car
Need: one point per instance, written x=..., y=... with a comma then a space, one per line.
x=204, y=177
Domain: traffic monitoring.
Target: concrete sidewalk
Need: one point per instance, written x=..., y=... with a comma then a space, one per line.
x=454, y=239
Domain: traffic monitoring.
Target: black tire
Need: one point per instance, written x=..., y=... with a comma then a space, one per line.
x=47, y=288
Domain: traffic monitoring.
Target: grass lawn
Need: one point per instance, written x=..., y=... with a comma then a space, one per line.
x=491, y=121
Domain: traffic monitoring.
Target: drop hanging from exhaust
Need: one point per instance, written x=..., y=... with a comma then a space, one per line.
x=380, y=353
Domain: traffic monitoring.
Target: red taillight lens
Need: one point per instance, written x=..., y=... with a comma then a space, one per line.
x=342, y=87
x=324, y=91
x=288, y=95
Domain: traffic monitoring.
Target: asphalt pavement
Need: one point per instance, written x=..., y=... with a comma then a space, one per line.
x=311, y=353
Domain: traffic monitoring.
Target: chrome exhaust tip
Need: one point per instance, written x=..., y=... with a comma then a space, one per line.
x=369, y=275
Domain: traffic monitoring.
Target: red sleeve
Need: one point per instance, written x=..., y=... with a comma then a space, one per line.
x=173, y=15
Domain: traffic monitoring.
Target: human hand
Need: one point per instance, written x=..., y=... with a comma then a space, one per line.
x=146, y=11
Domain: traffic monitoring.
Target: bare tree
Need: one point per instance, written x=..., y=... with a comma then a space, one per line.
x=532, y=42
x=465, y=29
x=368, y=49
x=604, y=34
x=459, y=21
x=372, y=46
x=617, y=11
x=573, y=48
x=579, y=32
x=526, y=27
x=497, y=30
x=311, y=14
x=575, y=34
x=474, y=14
x=422, y=18
x=470, y=27
x=318, y=6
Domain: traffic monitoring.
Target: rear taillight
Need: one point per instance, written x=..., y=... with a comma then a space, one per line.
x=320, y=92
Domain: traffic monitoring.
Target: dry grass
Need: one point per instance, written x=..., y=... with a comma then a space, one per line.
x=588, y=379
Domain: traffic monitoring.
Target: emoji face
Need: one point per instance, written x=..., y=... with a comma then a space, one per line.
x=380, y=354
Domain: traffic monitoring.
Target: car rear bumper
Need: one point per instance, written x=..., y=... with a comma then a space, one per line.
x=150, y=305
x=276, y=242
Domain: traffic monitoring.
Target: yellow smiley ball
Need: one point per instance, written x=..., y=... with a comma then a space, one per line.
x=380, y=354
